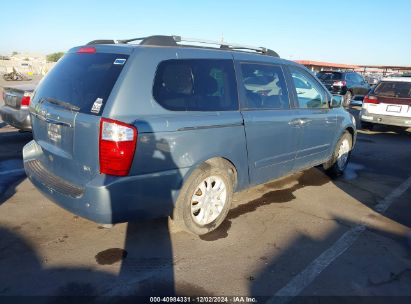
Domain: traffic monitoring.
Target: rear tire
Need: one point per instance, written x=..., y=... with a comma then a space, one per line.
x=341, y=156
x=205, y=199
x=347, y=99
x=367, y=125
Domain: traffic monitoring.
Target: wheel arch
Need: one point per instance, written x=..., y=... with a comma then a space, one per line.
x=351, y=130
x=218, y=161
x=223, y=162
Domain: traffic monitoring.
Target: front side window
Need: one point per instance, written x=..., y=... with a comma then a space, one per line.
x=264, y=86
x=196, y=85
x=309, y=93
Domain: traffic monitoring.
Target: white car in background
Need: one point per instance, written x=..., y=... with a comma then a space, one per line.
x=388, y=103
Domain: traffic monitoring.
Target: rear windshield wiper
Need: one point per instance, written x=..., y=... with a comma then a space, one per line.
x=62, y=104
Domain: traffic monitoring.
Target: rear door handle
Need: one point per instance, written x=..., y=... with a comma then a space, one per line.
x=52, y=121
x=58, y=122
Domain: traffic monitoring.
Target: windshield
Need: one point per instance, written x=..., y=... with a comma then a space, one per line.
x=329, y=76
x=82, y=81
x=394, y=89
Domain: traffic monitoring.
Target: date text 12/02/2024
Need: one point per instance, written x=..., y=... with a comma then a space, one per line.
x=234, y=299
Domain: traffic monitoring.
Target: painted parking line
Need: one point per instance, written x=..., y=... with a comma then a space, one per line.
x=314, y=269
x=11, y=171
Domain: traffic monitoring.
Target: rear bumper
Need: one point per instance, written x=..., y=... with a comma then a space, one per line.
x=107, y=199
x=19, y=119
x=385, y=119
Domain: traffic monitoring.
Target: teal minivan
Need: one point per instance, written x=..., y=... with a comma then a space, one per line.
x=172, y=127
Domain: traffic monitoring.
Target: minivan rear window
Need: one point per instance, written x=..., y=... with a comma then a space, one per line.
x=329, y=76
x=196, y=85
x=393, y=89
x=83, y=81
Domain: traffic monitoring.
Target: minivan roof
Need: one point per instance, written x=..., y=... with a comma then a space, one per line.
x=177, y=41
x=128, y=49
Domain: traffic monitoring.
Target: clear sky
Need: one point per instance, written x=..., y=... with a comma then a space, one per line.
x=345, y=31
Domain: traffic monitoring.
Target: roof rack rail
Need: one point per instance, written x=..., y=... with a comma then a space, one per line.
x=227, y=45
x=161, y=40
x=102, y=41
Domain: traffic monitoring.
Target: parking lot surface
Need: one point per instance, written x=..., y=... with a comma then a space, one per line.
x=305, y=235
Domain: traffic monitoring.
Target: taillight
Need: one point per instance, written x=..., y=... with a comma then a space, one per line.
x=117, y=145
x=371, y=99
x=25, y=100
x=86, y=50
x=339, y=83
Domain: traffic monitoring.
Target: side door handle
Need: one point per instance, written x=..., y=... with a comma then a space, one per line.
x=298, y=122
x=304, y=121
x=295, y=122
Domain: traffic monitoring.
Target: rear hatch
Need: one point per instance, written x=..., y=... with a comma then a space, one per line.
x=67, y=106
x=12, y=95
x=392, y=98
x=328, y=78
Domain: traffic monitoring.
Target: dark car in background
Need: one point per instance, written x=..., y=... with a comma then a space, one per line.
x=349, y=84
x=15, y=111
x=372, y=80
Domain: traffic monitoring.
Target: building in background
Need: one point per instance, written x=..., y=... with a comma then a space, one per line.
x=380, y=70
x=318, y=66
x=26, y=63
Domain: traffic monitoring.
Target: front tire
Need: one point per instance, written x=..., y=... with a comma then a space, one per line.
x=205, y=199
x=341, y=156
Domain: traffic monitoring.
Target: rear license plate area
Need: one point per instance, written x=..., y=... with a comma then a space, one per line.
x=11, y=100
x=395, y=108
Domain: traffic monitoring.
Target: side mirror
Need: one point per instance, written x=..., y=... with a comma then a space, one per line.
x=336, y=101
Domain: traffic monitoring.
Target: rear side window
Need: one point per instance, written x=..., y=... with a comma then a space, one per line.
x=264, y=86
x=84, y=81
x=354, y=78
x=329, y=76
x=196, y=85
x=394, y=89
x=358, y=78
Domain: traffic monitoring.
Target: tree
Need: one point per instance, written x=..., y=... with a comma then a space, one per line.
x=14, y=53
x=54, y=57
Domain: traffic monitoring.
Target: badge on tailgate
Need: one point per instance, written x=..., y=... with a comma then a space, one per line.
x=54, y=132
